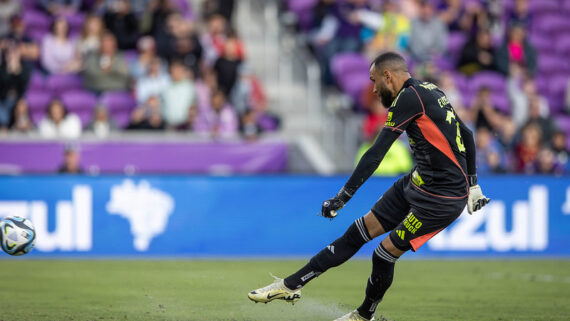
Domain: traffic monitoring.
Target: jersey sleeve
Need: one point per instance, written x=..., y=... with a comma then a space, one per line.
x=405, y=108
x=470, y=150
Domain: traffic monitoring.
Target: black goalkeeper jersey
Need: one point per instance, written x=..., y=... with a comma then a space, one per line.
x=442, y=146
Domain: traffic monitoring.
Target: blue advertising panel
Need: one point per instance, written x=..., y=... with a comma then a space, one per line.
x=270, y=216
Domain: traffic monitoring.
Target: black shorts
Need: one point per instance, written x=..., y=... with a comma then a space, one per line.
x=413, y=216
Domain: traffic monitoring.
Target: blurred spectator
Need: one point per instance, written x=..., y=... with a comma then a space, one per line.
x=546, y=123
x=451, y=13
x=374, y=120
x=21, y=121
x=154, y=83
x=154, y=18
x=488, y=152
x=547, y=163
x=91, y=33
x=225, y=8
x=526, y=152
x=59, y=52
x=180, y=95
x=214, y=39
x=59, y=123
x=247, y=92
x=520, y=14
x=560, y=149
x=148, y=116
x=60, y=7
x=180, y=42
x=8, y=9
x=249, y=127
x=428, y=34
x=71, y=161
x=220, y=120
x=483, y=111
x=477, y=54
x=204, y=89
x=107, y=69
x=475, y=17
x=101, y=125
x=516, y=50
x=147, y=53
x=521, y=91
x=122, y=22
x=226, y=67
x=392, y=29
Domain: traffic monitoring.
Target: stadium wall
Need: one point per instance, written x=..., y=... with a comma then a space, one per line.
x=264, y=216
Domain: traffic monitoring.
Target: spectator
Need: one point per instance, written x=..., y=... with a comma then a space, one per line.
x=516, y=50
x=451, y=13
x=122, y=22
x=428, y=36
x=560, y=149
x=447, y=85
x=91, y=33
x=247, y=92
x=477, y=54
x=147, y=53
x=374, y=120
x=59, y=123
x=8, y=9
x=219, y=121
x=59, y=52
x=488, y=152
x=155, y=15
x=21, y=121
x=224, y=8
x=101, y=125
x=71, y=161
x=520, y=14
x=154, y=83
x=204, y=89
x=547, y=163
x=226, y=67
x=392, y=29
x=106, y=70
x=58, y=8
x=526, y=152
x=249, y=127
x=214, y=39
x=521, y=95
x=180, y=42
x=148, y=116
x=546, y=123
x=483, y=112
x=180, y=96
x=398, y=159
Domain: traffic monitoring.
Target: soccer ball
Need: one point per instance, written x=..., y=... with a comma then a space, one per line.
x=17, y=234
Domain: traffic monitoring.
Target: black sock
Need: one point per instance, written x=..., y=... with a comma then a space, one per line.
x=382, y=274
x=333, y=255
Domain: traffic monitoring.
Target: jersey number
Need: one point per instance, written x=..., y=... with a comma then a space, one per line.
x=458, y=139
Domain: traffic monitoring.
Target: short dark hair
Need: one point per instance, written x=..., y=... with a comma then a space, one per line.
x=391, y=61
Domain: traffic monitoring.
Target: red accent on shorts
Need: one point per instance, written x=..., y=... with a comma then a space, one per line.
x=419, y=241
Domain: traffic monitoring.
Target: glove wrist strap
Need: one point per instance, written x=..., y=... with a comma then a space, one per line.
x=472, y=180
x=344, y=195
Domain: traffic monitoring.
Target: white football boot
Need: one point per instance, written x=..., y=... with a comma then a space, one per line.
x=353, y=316
x=274, y=291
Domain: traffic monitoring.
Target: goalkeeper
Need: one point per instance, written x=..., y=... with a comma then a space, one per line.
x=417, y=206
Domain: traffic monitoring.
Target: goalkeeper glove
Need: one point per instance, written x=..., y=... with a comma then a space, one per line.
x=333, y=205
x=476, y=199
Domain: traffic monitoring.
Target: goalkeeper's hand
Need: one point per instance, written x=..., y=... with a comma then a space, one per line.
x=331, y=207
x=476, y=199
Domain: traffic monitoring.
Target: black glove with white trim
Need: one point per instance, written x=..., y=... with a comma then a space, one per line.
x=333, y=205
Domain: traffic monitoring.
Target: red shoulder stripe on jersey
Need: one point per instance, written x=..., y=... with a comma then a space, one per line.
x=407, y=120
x=394, y=129
x=421, y=240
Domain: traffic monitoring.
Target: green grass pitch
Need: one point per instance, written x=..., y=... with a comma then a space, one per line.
x=208, y=290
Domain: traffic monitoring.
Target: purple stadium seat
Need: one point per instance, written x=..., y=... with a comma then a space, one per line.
x=267, y=123
x=75, y=21
x=566, y=9
x=37, y=116
x=59, y=84
x=38, y=100
x=29, y=4
x=461, y=81
x=184, y=8
x=444, y=63
x=118, y=101
x=85, y=116
x=501, y=102
x=37, y=34
x=303, y=11
x=563, y=44
x=348, y=63
x=455, y=42
x=563, y=123
x=555, y=103
x=541, y=6
x=121, y=118
x=495, y=81
x=37, y=82
x=36, y=19
x=542, y=42
x=551, y=63
x=354, y=84
x=76, y=100
x=551, y=23
x=557, y=84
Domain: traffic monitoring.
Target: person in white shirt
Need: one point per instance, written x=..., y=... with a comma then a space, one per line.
x=180, y=96
x=59, y=123
x=154, y=83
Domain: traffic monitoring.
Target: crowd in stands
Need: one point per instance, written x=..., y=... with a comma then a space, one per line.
x=502, y=64
x=69, y=67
